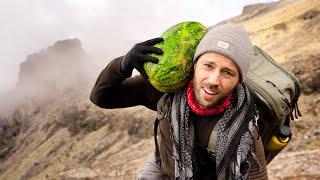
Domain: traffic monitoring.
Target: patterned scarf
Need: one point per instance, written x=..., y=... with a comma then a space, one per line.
x=234, y=140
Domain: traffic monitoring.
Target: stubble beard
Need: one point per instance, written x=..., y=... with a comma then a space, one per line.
x=196, y=91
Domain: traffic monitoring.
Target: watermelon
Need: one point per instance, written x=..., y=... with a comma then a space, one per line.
x=174, y=69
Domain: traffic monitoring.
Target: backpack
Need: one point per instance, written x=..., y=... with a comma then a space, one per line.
x=276, y=92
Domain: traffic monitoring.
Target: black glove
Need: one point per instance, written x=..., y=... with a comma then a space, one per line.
x=137, y=56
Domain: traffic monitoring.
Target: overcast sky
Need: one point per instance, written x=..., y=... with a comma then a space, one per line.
x=107, y=28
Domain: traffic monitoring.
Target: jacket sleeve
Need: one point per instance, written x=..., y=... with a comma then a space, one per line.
x=115, y=90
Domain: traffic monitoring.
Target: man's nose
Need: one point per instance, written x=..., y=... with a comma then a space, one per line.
x=214, y=78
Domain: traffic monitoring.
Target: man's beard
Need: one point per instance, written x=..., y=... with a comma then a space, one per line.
x=213, y=89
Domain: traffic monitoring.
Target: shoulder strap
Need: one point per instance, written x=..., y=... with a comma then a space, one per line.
x=160, y=116
x=157, y=151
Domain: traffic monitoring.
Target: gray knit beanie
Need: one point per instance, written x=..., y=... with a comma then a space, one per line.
x=230, y=40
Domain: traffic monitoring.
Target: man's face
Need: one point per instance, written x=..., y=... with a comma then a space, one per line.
x=215, y=77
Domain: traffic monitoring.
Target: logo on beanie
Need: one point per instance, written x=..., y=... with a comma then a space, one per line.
x=222, y=44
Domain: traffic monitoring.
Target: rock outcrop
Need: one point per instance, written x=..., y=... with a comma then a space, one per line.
x=61, y=66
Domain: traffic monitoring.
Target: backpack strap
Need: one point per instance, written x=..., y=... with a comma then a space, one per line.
x=157, y=151
x=160, y=115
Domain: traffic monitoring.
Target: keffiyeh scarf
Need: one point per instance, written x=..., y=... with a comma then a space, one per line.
x=234, y=140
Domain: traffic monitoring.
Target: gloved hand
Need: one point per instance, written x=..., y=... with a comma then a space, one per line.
x=137, y=56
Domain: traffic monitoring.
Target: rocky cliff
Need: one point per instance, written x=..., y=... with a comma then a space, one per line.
x=60, y=66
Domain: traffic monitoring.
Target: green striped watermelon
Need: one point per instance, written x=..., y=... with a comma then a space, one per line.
x=173, y=71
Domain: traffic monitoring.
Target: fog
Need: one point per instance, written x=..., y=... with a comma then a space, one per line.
x=106, y=28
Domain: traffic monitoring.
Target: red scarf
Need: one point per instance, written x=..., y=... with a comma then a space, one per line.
x=199, y=110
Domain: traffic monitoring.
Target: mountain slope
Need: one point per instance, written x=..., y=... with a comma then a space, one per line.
x=288, y=30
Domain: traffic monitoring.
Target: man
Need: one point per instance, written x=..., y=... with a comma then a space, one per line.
x=208, y=130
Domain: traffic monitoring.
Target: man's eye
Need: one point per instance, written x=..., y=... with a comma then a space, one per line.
x=228, y=73
x=208, y=65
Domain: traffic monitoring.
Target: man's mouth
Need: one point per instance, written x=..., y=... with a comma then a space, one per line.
x=209, y=92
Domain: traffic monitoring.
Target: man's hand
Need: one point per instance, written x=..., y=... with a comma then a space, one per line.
x=137, y=56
